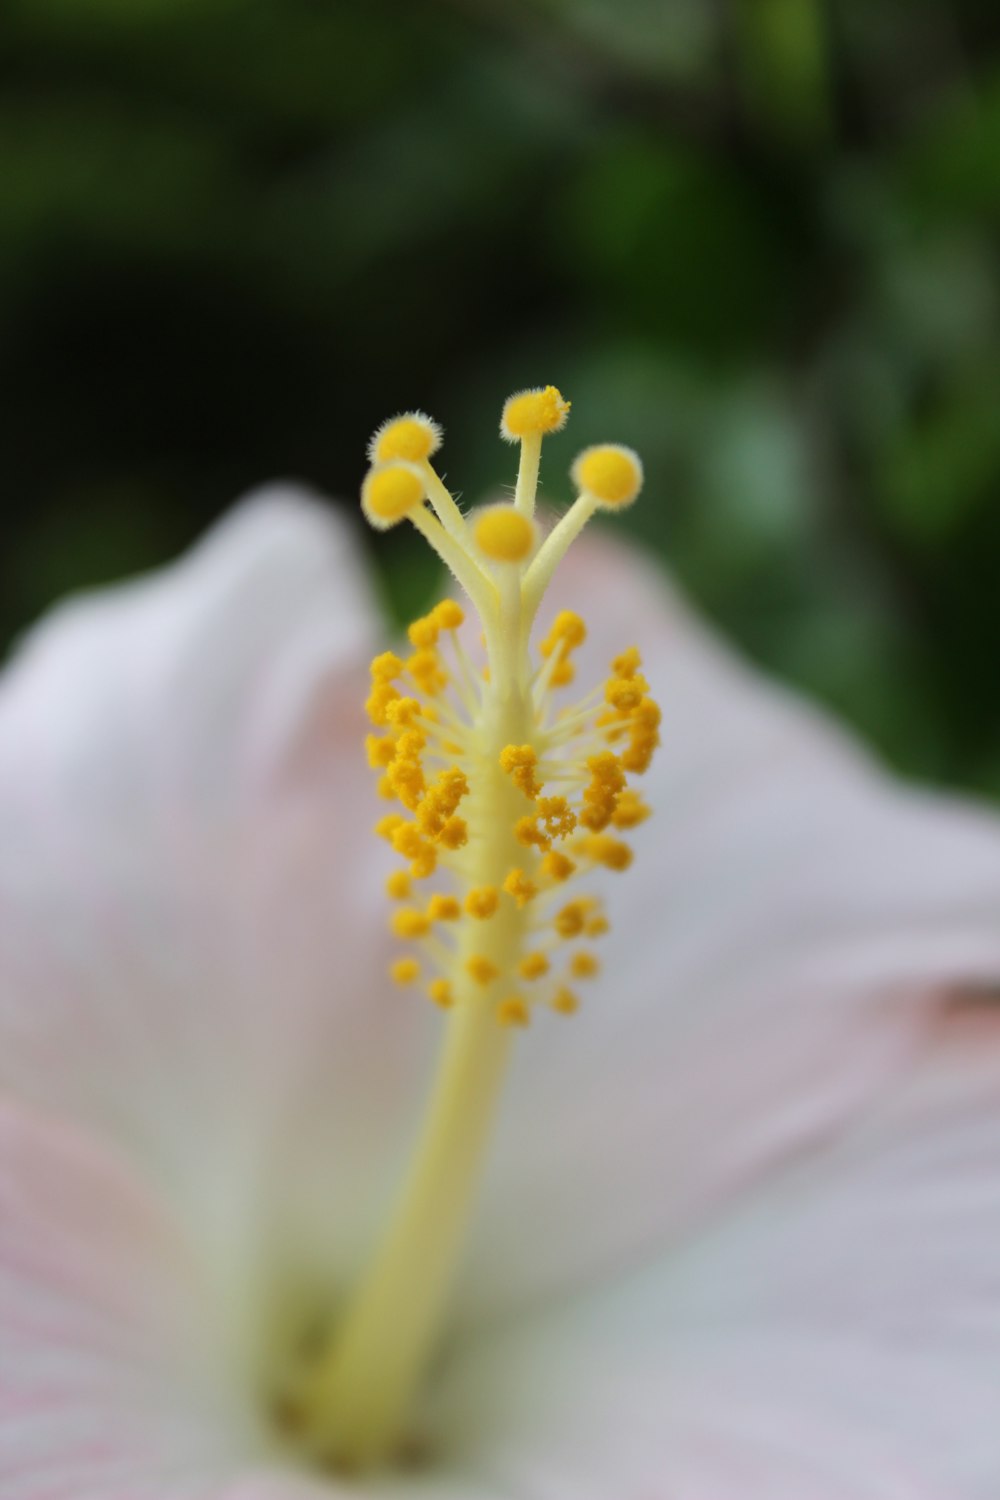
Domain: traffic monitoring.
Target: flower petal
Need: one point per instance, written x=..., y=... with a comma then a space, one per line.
x=184, y=684
x=111, y=1387
x=783, y=890
x=99, y=1319
x=191, y=916
x=834, y=1339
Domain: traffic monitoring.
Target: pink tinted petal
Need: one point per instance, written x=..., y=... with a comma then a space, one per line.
x=833, y=1339
x=105, y=1338
x=784, y=887
x=114, y=1380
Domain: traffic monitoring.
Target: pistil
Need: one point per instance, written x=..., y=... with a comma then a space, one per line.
x=507, y=801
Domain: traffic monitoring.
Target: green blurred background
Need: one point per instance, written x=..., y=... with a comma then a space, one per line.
x=757, y=239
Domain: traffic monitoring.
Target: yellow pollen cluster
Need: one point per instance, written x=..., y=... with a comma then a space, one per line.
x=567, y=633
x=507, y=800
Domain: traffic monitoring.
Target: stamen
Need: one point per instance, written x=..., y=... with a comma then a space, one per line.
x=505, y=805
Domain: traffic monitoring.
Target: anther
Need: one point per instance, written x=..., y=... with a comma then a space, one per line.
x=441, y=993
x=584, y=965
x=520, y=887
x=533, y=966
x=565, y=1002
x=397, y=885
x=405, y=971
x=512, y=1012
x=482, y=901
x=444, y=909
x=408, y=922
x=481, y=969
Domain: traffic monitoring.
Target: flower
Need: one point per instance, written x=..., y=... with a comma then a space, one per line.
x=738, y=1230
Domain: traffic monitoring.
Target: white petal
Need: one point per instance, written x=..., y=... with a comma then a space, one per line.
x=183, y=685
x=192, y=940
x=836, y=1339
x=785, y=889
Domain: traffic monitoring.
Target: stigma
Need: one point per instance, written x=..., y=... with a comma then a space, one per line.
x=507, y=792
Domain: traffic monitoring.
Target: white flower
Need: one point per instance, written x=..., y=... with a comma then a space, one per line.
x=739, y=1234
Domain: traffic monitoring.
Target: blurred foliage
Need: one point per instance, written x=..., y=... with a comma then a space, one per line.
x=758, y=239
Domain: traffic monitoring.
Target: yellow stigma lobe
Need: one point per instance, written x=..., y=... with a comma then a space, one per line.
x=531, y=413
x=391, y=492
x=503, y=534
x=610, y=474
x=413, y=436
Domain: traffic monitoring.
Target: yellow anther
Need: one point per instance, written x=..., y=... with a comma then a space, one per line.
x=406, y=780
x=454, y=834
x=381, y=698
x=380, y=749
x=407, y=840
x=386, y=667
x=503, y=534
x=533, y=966
x=408, y=922
x=557, y=815
x=482, y=901
x=607, y=782
x=413, y=436
x=609, y=473
x=567, y=630
x=627, y=663
x=440, y=802
x=424, y=632
x=512, y=1012
x=519, y=761
x=584, y=965
x=569, y=922
x=536, y=411
x=440, y=992
x=427, y=672
x=444, y=909
x=625, y=693
x=405, y=971
x=644, y=736
x=554, y=819
x=528, y=833
x=423, y=863
x=397, y=885
x=482, y=970
x=630, y=810
x=520, y=887
x=411, y=742
x=556, y=866
x=565, y=1002
x=448, y=614
x=386, y=827
x=401, y=712
x=608, y=851
x=597, y=926
x=391, y=492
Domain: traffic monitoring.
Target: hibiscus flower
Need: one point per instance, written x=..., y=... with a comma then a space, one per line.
x=737, y=1228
